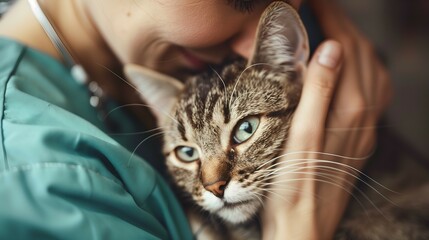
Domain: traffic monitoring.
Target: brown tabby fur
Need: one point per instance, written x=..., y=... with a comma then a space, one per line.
x=204, y=113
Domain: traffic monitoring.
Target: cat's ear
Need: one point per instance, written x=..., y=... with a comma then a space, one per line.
x=281, y=39
x=159, y=91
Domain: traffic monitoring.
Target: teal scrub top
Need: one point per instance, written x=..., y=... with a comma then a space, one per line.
x=62, y=176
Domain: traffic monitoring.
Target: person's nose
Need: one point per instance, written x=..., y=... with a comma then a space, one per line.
x=243, y=43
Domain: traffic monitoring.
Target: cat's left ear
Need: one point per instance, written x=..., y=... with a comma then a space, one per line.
x=159, y=91
x=281, y=39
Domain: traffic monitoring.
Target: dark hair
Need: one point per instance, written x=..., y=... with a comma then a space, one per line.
x=247, y=5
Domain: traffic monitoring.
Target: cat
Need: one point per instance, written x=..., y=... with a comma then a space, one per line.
x=222, y=128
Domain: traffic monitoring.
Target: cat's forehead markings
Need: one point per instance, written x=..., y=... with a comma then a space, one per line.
x=209, y=111
x=181, y=128
x=226, y=113
x=189, y=111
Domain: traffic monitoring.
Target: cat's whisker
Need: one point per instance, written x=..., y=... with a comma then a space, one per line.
x=312, y=160
x=116, y=75
x=327, y=179
x=137, y=133
x=258, y=196
x=141, y=105
x=359, y=175
x=275, y=193
x=262, y=196
x=121, y=78
x=268, y=187
x=316, y=152
x=238, y=80
x=143, y=141
x=324, y=173
x=348, y=167
x=333, y=178
x=289, y=188
x=221, y=79
x=274, y=175
x=300, y=172
x=135, y=104
x=301, y=161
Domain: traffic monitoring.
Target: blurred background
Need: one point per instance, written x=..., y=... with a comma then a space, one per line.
x=399, y=29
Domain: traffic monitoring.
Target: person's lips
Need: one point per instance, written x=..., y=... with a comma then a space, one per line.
x=193, y=61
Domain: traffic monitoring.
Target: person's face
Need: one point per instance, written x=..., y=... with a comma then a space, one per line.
x=178, y=36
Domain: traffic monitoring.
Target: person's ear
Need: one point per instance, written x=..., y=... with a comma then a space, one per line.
x=159, y=91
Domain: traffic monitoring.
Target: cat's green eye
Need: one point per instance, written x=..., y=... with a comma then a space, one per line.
x=187, y=154
x=245, y=129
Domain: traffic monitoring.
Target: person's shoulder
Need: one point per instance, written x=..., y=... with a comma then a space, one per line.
x=57, y=163
x=10, y=52
x=10, y=45
x=45, y=117
x=19, y=60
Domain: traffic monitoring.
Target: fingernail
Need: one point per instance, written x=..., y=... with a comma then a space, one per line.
x=330, y=54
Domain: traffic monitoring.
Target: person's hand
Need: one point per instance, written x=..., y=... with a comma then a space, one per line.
x=333, y=132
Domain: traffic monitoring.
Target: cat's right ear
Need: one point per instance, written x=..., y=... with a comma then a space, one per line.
x=157, y=90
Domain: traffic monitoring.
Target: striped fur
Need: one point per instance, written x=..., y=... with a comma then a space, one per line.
x=205, y=114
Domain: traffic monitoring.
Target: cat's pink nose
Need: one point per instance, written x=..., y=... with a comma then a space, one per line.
x=216, y=188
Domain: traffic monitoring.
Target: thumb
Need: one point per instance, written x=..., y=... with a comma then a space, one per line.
x=319, y=85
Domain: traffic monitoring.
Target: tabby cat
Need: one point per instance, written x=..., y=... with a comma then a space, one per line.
x=224, y=127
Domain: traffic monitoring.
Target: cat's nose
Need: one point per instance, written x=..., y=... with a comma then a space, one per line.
x=216, y=188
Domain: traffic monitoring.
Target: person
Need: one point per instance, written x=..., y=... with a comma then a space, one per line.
x=67, y=173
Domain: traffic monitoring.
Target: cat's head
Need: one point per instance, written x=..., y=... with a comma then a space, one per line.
x=222, y=128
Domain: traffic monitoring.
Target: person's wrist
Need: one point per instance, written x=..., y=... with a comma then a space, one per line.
x=314, y=214
x=292, y=221
x=332, y=205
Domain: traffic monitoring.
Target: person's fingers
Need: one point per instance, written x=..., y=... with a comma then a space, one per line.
x=328, y=14
x=319, y=85
x=385, y=90
x=337, y=26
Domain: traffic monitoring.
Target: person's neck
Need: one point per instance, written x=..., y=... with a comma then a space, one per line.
x=77, y=32
x=86, y=44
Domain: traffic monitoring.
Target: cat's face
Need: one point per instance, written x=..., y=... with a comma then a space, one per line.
x=223, y=127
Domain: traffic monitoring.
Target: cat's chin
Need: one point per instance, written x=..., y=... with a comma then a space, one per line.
x=238, y=212
x=238, y=204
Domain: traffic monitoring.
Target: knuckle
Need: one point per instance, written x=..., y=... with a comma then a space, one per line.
x=366, y=46
x=358, y=105
x=384, y=76
x=347, y=42
x=385, y=87
x=356, y=110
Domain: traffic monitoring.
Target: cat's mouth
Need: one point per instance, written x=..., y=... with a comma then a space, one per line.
x=235, y=204
x=238, y=212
